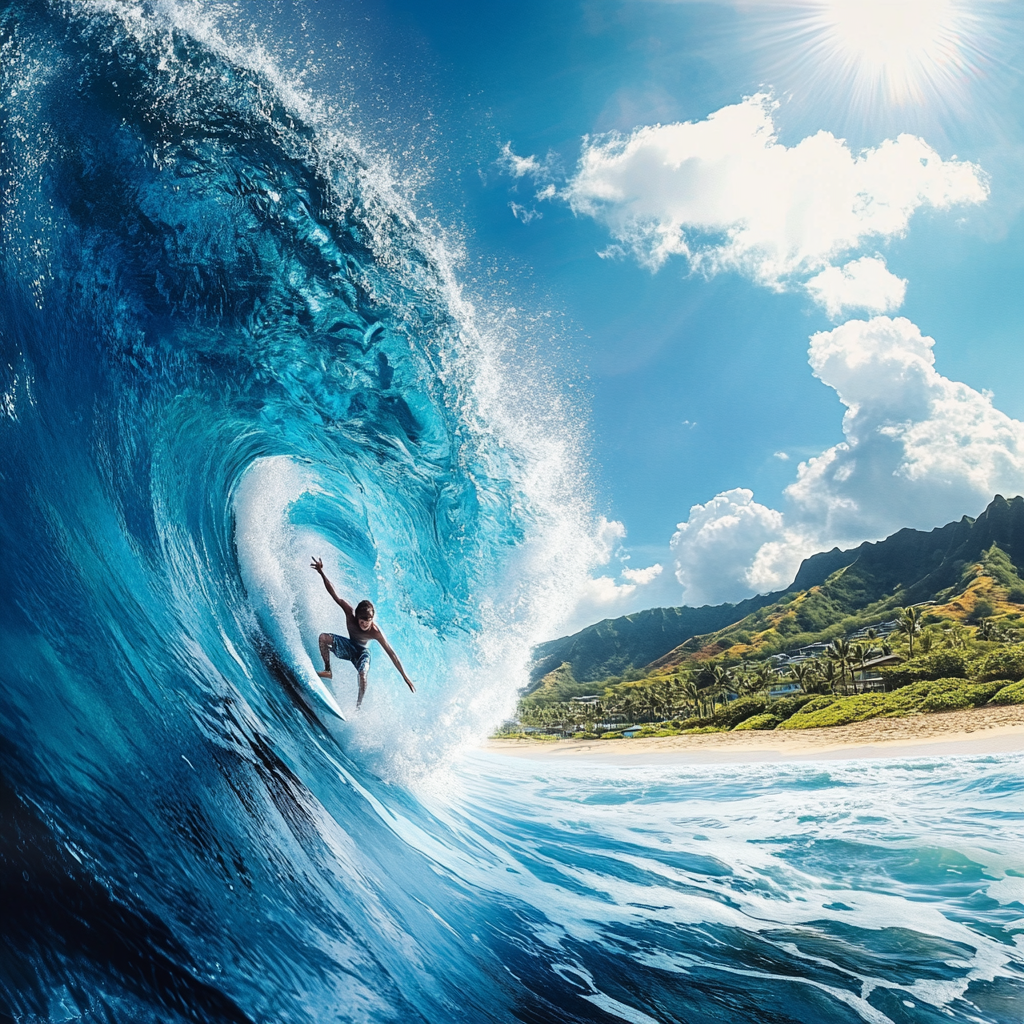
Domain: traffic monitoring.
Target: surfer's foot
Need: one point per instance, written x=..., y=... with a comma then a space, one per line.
x=326, y=674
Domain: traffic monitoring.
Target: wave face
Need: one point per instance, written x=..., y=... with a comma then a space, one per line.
x=228, y=345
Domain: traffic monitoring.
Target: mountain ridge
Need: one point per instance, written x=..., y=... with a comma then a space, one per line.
x=830, y=590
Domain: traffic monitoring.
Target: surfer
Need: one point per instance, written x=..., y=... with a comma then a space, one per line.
x=362, y=628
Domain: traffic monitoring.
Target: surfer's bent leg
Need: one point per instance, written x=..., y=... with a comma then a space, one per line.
x=362, y=664
x=325, y=653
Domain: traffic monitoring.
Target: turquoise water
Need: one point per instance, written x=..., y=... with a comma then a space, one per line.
x=231, y=343
x=871, y=890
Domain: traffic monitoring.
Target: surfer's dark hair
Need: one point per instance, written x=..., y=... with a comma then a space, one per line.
x=365, y=610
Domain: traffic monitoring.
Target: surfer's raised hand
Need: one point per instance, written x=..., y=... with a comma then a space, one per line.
x=318, y=564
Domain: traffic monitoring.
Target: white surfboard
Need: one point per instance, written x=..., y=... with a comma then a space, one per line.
x=316, y=684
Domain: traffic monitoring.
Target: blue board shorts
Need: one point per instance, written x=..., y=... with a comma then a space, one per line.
x=348, y=650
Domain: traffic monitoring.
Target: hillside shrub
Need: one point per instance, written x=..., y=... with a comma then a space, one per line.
x=1012, y=694
x=736, y=711
x=656, y=730
x=1004, y=663
x=940, y=664
x=951, y=694
x=784, y=707
x=758, y=722
x=703, y=729
x=947, y=700
x=817, y=703
x=947, y=694
x=841, y=711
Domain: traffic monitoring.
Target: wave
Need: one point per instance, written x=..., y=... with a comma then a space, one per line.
x=229, y=344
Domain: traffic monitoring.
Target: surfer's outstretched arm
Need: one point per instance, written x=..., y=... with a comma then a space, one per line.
x=318, y=565
x=394, y=657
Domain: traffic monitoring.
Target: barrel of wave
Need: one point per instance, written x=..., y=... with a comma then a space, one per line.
x=402, y=735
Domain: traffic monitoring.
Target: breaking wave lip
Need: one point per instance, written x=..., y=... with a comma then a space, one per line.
x=228, y=345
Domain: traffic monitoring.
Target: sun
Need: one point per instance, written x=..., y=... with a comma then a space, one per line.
x=897, y=51
x=872, y=56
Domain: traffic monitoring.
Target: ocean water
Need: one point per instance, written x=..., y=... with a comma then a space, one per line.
x=231, y=342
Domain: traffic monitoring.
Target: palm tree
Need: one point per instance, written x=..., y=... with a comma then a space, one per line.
x=908, y=624
x=829, y=675
x=839, y=653
x=749, y=685
x=765, y=676
x=858, y=655
x=672, y=691
x=691, y=694
x=956, y=637
x=815, y=682
x=721, y=676
x=649, y=702
x=629, y=705
x=716, y=693
x=802, y=674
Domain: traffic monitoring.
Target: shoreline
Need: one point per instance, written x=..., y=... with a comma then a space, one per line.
x=974, y=731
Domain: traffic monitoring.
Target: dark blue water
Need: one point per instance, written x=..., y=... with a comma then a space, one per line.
x=228, y=344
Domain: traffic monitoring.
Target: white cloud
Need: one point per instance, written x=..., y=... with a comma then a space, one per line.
x=865, y=283
x=726, y=194
x=530, y=167
x=524, y=214
x=520, y=166
x=643, y=576
x=920, y=450
x=606, y=596
x=602, y=593
x=716, y=548
x=607, y=539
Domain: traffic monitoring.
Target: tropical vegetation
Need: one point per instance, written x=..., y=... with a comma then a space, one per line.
x=935, y=665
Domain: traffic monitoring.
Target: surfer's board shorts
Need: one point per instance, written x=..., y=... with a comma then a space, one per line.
x=348, y=650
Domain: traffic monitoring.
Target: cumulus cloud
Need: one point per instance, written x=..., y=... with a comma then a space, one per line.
x=865, y=283
x=608, y=539
x=716, y=548
x=725, y=194
x=619, y=591
x=641, y=577
x=919, y=450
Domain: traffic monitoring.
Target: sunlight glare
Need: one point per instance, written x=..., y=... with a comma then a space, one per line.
x=892, y=50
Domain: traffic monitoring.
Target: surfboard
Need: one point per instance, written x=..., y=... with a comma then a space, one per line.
x=326, y=698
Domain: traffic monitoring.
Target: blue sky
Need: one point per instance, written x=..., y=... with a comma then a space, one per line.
x=652, y=175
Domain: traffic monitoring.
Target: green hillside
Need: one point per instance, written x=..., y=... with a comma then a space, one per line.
x=966, y=570
x=970, y=569
x=614, y=646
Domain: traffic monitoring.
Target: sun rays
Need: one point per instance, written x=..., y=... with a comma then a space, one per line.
x=894, y=51
x=871, y=59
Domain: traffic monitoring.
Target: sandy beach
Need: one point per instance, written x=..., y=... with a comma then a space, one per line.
x=995, y=730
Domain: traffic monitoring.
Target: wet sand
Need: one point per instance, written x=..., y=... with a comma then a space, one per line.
x=995, y=730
